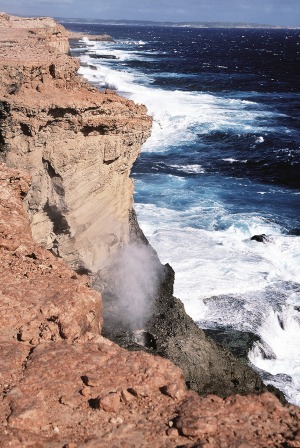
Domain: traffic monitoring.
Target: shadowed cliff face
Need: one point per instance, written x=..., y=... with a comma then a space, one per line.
x=78, y=145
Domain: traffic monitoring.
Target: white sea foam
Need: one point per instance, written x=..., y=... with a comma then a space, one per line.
x=131, y=42
x=279, y=353
x=231, y=160
x=178, y=115
x=249, y=281
x=190, y=169
x=117, y=49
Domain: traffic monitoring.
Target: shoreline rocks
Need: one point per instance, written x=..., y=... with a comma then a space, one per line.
x=76, y=35
x=167, y=330
x=261, y=238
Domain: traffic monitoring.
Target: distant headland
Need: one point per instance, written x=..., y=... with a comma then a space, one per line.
x=173, y=24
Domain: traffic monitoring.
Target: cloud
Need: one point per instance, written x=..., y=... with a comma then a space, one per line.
x=52, y=2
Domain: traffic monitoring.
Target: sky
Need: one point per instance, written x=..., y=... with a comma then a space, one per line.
x=272, y=12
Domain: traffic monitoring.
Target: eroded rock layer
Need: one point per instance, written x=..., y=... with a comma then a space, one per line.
x=78, y=144
x=45, y=29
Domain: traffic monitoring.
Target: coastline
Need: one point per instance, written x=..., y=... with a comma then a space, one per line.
x=202, y=190
x=76, y=35
x=165, y=391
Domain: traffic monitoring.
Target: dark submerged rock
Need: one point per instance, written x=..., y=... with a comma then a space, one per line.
x=260, y=238
x=102, y=56
x=238, y=342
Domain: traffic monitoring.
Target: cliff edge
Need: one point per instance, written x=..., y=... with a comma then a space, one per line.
x=78, y=144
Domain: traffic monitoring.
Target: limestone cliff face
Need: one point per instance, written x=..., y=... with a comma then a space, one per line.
x=38, y=291
x=78, y=145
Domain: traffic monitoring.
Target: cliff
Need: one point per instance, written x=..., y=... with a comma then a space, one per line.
x=44, y=30
x=61, y=382
x=77, y=143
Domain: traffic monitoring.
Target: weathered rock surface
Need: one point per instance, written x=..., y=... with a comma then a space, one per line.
x=74, y=388
x=78, y=145
x=45, y=29
x=41, y=298
x=237, y=422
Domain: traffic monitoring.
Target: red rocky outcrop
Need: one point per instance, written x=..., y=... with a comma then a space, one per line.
x=45, y=29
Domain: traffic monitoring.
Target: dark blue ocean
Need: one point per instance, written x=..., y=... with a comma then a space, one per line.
x=222, y=165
